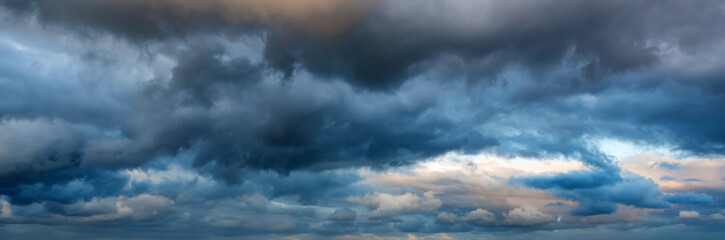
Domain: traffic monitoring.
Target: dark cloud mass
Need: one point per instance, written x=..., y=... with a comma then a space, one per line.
x=600, y=192
x=307, y=119
x=689, y=198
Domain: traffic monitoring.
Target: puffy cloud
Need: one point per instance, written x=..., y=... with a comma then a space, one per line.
x=138, y=208
x=526, y=215
x=472, y=182
x=446, y=218
x=144, y=206
x=717, y=216
x=388, y=205
x=689, y=214
x=479, y=216
x=269, y=202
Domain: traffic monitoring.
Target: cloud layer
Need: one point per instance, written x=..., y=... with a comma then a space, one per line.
x=360, y=119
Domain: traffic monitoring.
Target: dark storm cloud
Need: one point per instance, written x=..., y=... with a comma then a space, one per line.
x=405, y=36
x=689, y=198
x=202, y=69
x=378, y=44
x=599, y=192
x=282, y=129
x=381, y=50
x=288, y=127
x=479, y=39
x=388, y=83
x=672, y=113
x=39, y=146
x=234, y=121
x=573, y=180
x=67, y=186
x=309, y=188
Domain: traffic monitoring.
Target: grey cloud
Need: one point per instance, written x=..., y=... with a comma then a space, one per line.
x=68, y=186
x=411, y=224
x=39, y=146
x=526, y=215
x=446, y=218
x=203, y=76
x=602, y=197
x=177, y=203
x=689, y=198
x=390, y=84
x=201, y=70
x=480, y=217
x=405, y=37
x=378, y=45
x=342, y=214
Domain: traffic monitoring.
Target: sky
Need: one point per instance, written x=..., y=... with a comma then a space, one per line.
x=362, y=119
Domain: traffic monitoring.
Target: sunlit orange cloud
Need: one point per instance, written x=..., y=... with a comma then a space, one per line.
x=480, y=182
x=677, y=175
x=476, y=181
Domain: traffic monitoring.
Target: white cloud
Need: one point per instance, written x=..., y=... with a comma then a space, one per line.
x=689, y=214
x=526, y=215
x=390, y=205
x=480, y=216
x=473, y=181
x=717, y=216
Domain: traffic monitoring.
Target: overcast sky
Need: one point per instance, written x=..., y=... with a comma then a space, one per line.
x=362, y=119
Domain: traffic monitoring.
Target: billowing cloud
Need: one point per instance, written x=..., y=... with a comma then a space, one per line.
x=318, y=119
x=327, y=203
x=603, y=196
x=385, y=205
x=479, y=216
x=526, y=215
